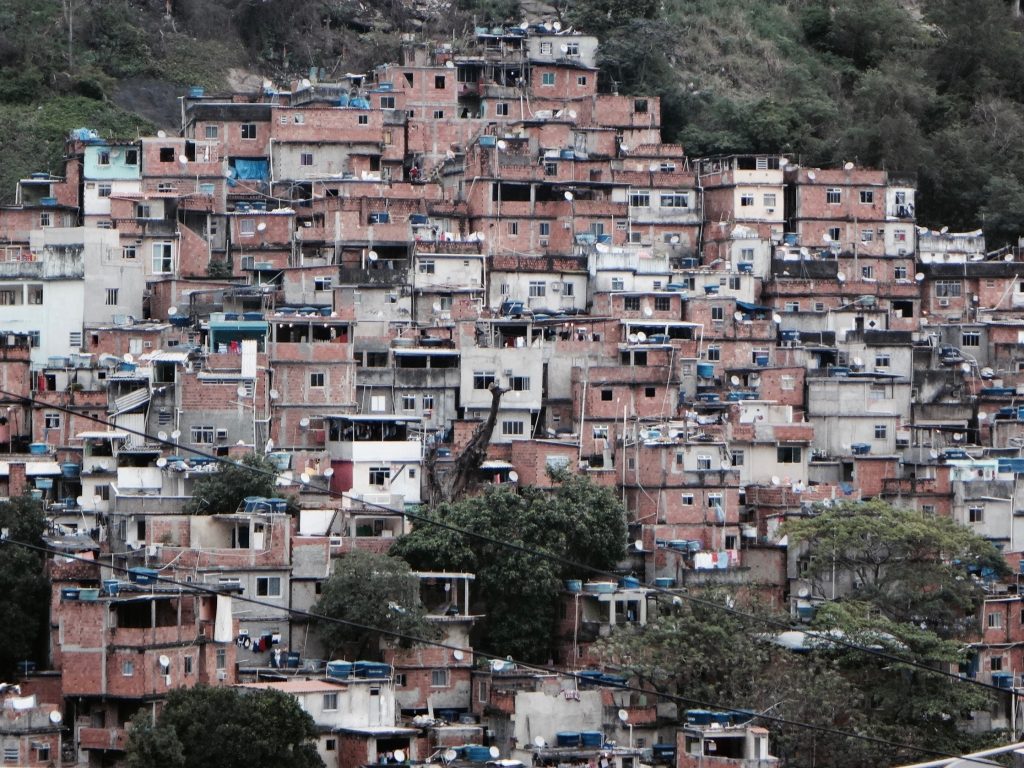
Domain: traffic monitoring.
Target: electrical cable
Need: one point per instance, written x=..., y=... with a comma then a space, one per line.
x=196, y=587
x=533, y=551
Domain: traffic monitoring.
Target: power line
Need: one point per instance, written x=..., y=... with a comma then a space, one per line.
x=197, y=587
x=831, y=639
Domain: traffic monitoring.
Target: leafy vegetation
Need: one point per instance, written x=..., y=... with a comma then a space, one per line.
x=224, y=727
x=24, y=600
x=220, y=492
x=578, y=521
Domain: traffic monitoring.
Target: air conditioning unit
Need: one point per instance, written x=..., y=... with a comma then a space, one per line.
x=556, y=286
x=943, y=302
x=544, y=243
x=222, y=434
x=222, y=674
x=336, y=541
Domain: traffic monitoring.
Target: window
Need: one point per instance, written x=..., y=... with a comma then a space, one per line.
x=769, y=200
x=439, y=678
x=900, y=235
x=519, y=383
x=746, y=199
x=249, y=131
x=428, y=402
x=880, y=431
x=42, y=751
x=111, y=297
x=877, y=392
x=246, y=227
x=789, y=454
x=306, y=158
x=867, y=271
x=640, y=198
x=45, y=220
x=408, y=402
x=513, y=228
x=834, y=234
x=162, y=260
x=547, y=78
x=718, y=313
x=203, y=434
x=188, y=665
x=439, y=114
x=544, y=228
x=640, y=105
x=947, y=288
x=833, y=196
x=511, y=427
x=606, y=395
x=970, y=339
x=545, y=50
x=129, y=252
x=714, y=353
x=387, y=102
x=439, y=82
x=581, y=80
x=791, y=306
x=35, y=294
x=631, y=303
x=550, y=168
x=321, y=283
x=330, y=701
x=899, y=273
x=995, y=664
x=143, y=211
x=686, y=499
x=650, y=391
x=483, y=379
x=675, y=200
x=103, y=190
x=268, y=586
x=51, y=420
x=74, y=338
x=316, y=379
x=867, y=235
x=501, y=108
x=995, y=620
x=330, y=745
x=867, y=196
x=426, y=266
x=127, y=668
x=222, y=658
x=882, y=361
x=211, y=131
x=662, y=303
x=538, y=289
x=573, y=49
x=703, y=462
x=738, y=458
x=788, y=382
x=976, y=515
x=618, y=284
x=364, y=120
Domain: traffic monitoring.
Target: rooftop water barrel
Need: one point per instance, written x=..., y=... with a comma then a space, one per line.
x=476, y=753
x=629, y=582
x=668, y=583
x=576, y=585
x=761, y=359
x=142, y=575
x=69, y=593
x=339, y=669
x=567, y=738
x=111, y=587
x=91, y=594
x=706, y=370
x=196, y=92
x=488, y=141
x=69, y=469
x=37, y=448
x=698, y=717
x=592, y=738
x=790, y=238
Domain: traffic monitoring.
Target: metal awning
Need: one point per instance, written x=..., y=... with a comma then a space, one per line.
x=108, y=435
x=131, y=401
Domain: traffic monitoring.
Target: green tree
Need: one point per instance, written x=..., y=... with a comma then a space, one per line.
x=222, y=491
x=24, y=600
x=373, y=590
x=576, y=521
x=225, y=727
x=910, y=566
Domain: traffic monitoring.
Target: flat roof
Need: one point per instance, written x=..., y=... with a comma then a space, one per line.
x=371, y=419
x=298, y=686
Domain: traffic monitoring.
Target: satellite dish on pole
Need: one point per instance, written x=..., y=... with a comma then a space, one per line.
x=175, y=434
x=638, y=545
x=161, y=462
x=128, y=357
x=494, y=752
x=240, y=391
x=372, y=255
x=841, y=277
x=641, y=336
x=848, y=167
x=776, y=318
x=450, y=754
x=329, y=472
x=513, y=476
x=56, y=717
x=400, y=755
x=182, y=159
x=161, y=436
x=775, y=480
x=172, y=311
x=569, y=196
x=261, y=226
x=458, y=655
x=538, y=741
x=648, y=312
x=165, y=662
x=304, y=477
x=502, y=145
x=737, y=316
x=623, y=715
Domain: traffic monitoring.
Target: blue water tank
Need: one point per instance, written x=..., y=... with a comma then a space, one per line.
x=668, y=583
x=705, y=370
x=576, y=585
x=592, y=738
x=698, y=717
x=629, y=582
x=339, y=669
x=476, y=753
x=567, y=738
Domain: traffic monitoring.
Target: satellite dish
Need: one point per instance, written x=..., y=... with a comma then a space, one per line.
x=304, y=422
x=161, y=436
x=400, y=755
x=641, y=336
x=449, y=65
x=653, y=167
x=175, y=434
x=436, y=306
x=165, y=661
x=172, y=311
x=305, y=83
x=965, y=367
x=934, y=454
x=494, y=752
x=734, y=380
x=737, y=316
x=623, y=715
x=858, y=362
x=513, y=476
x=451, y=754
x=982, y=416
x=372, y=255
x=56, y=717
x=775, y=480
x=274, y=394
x=261, y=226
x=638, y=545
x=161, y=134
x=81, y=501
x=329, y=472
x=569, y=196
x=919, y=276
x=623, y=148
x=502, y=145
x=538, y=741
x=840, y=276
x=812, y=175
x=240, y=391
x=804, y=592
x=631, y=338
x=458, y=655
x=572, y=114
x=826, y=237
x=161, y=462
x=776, y=318
x=304, y=477
x=563, y=48
x=958, y=436
x=182, y=159
x=128, y=357
x=557, y=26
x=944, y=230
x=725, y=464
x=1008, y=257
x=648, y=312
x=848, y=167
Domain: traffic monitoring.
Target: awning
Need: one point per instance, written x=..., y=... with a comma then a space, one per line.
x=497, y=464
x=166, y=357
x=746, y=306
x=131, y=401
x=109, y=435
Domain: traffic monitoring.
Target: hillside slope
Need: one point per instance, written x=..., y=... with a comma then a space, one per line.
x=933, y=86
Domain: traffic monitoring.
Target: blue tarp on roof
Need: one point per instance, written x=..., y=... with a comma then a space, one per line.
x=746, y=306
x=252, y=169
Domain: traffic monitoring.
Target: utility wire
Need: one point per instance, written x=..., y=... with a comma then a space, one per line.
x=826, y=639
x=197, y=587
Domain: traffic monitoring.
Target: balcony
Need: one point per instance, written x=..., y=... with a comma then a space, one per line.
x=103, y=738
x=385, y=277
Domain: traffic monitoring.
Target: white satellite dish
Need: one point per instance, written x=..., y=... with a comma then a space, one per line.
x=648, y=312
x=304, y=422
x=944, y=230
x=513, y=476
x=982, y=416
x=161, y=436
x=161, y=462
x=641, y=336
x=933, y=453
x=737, y=316
x=775, y=480
x=172, y=311
x=81, y=501
x=812, y=175
x=305, y=83
x=674, y=240
x=450, y=754
x=841, y=277
x=568, y=196
x=128, y=357
x=858, y=362
x=919, y=276
x=182, y=159
x=165, y=661
x=776, y=318
x=538, y=741
x=1008, y=257
x=638, y=545
x=734, y=380
x=56, y=717
x=572, y=114
x=261, y=226
x=304, y=477
x=803, y=592
x=161, y=134
x=725, y=464
x=502, y=145
x=557, y=26
x=175, y=434
x=957, y=437
x=654, y=167
x=563, y=48
x=449, y=65
x=623, y=148
x=494, y=752
x=274, y=394
x=848, y=167
x=399, y=755
x=826, y=237
x=436, y=306
x=458, y=655
x=240, y=391
x=623, y=715
x=372, y=255
x=965, y=367
x=329, y=472
x=631, y=338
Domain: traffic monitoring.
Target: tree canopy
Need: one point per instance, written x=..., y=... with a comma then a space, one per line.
x=373, y=590
x=24, y=599
x=576, y=521
x=225, y=727
x=222, y=491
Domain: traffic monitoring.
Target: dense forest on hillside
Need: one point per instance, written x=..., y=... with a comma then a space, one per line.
x=934, y=87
